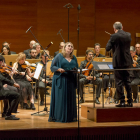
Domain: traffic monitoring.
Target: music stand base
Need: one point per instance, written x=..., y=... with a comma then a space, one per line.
x=111, y=100
x=37, y=113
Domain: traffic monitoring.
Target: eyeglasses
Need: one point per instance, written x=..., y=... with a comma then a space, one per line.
x=90, y=54
x=70, y=46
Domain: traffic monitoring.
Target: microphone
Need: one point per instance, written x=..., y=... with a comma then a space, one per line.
x=79, y=8
x=59, y=31
x=69, y=5
x=28, y=29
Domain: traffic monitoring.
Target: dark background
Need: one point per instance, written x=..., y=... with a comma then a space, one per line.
x=49, y=16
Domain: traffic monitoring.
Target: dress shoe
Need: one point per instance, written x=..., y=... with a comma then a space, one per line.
x=121, y=105
x=47, y=93
x=97, y=101
x=4, y=115
x=135, y=101
x=25, y=106
x=32, y=106
x=81, y=101
x=11, y=117
x=41, y=103
x=129, y=105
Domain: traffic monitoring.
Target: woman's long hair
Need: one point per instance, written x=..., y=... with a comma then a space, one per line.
x=64, y=52
x=7, y=47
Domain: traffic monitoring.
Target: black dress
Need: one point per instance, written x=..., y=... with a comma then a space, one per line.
x=25, y=86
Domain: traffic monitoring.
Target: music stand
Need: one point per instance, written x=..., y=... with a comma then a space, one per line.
x=46, y=55
x=103, y=66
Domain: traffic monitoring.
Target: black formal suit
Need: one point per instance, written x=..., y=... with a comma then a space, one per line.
x=27, y=52
x=135, y=79
x=120, y=45
x=100, y=55
x=12, y=96
x=13, y=52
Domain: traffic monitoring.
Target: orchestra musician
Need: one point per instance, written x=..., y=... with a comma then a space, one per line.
x=22, y=76
x=27, y=52
x=61, y=45
x=85, y=79
x=41, y=84
x=10, y=95
x=33, y=54
x=137, y=48
x=120, y=45
x=37, y=47
x=134, y=74
x=97, y=49
x=7, y=44
x=5, y=50
x=63, y=97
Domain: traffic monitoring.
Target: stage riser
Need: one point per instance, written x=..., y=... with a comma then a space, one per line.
x=110, y=114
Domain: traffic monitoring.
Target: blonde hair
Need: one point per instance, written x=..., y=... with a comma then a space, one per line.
x=21, y=55
x=64, y=52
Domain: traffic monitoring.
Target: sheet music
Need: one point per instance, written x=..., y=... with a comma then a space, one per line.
x=38, y=71
x=82, y=70
x=103, y=66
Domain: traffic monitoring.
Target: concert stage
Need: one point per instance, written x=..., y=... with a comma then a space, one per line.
x=38, y=128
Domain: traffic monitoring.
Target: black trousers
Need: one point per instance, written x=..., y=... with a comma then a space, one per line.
x=6, y=101
x=84, y=81
x=13, y=98
x=134, y=85
x=41, y=88
x=122, y=78
x=106, y=81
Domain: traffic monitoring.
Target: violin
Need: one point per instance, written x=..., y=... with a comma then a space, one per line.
x=8, y=70
x=135, y=57
x=25, y=66
x=89, y=66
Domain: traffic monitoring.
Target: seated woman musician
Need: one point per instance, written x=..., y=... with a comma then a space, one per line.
x=22, y=77
x=5, y=50
x=41, y=84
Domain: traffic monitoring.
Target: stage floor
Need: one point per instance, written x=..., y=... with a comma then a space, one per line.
x=28, y=121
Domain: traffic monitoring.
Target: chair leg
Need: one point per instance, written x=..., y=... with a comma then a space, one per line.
x=1, y=106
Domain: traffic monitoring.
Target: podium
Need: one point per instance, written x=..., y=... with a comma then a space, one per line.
x=109, y=113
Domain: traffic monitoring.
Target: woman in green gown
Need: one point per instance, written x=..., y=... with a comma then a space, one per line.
x=64, y=84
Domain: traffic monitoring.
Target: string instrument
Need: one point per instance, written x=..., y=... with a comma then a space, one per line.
x=25, y=66
x=135, y=57
x=8, y=70
x=89, y=66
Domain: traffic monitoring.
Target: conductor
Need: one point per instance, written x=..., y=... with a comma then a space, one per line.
x=120, y=45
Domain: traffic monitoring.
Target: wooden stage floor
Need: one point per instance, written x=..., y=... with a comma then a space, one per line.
x=39, y=124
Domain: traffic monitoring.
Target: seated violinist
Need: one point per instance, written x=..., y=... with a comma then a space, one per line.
x=85, y=79
x=97, y=48
x=41, y=84
x=134, y=74
x=22, y=76
x=10, y=95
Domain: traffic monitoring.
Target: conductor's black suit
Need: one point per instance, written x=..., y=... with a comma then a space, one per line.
x=120, y=45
